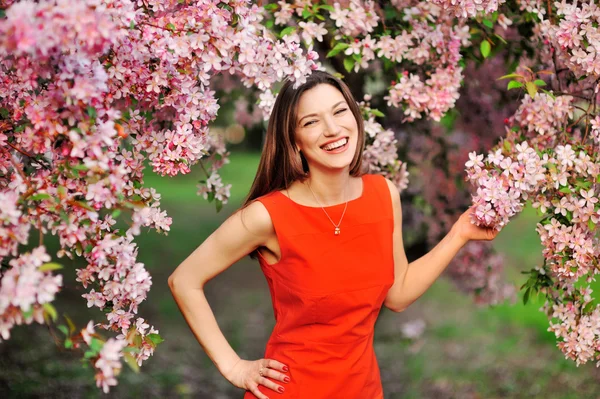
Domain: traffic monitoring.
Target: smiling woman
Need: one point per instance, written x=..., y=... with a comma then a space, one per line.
x=329, y=241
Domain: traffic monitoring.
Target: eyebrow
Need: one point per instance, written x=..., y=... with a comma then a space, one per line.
x=334, y=106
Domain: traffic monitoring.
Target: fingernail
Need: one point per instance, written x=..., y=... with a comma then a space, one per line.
x=280, y=389
x=285, y=368
x=286, y=379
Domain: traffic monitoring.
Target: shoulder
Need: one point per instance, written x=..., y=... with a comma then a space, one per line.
x=257, y=219
x=394, y=192
x=385, y=182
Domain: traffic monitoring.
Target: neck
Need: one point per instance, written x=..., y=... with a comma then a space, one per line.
x=330, y=188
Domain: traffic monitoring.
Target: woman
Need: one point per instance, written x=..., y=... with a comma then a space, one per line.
x=329, y=241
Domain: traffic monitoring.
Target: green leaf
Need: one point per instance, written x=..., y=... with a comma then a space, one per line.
x=327, y=7
x=68, y=343
x=131, y=362
x=269, y=24
x=287, y=31
x=219, y=206
x=510, y=76
x=591, y=225
x=270, y=7
x=550, y=94
x=88, y=248
x=531, y=89
x=155, y=338
x=349, y=63
x=28, y=314
x=513, y=84
x=84, y=205
x=500, y=38
x=337, y=48
x=115, y=214
x=485, y=48
x=90, y=354
x=488, y=23
x=565, y=190
x=306, y=14
x=526, y=296
x=46, y=267
x=50, y=310
x=378, y=113
x=69, y=323
x=63, y=329
x=588, y=308
x=40, y=196
x=96, y=345
x=539, y=82
x=91, y=111
x=570, y=218
x=170, y=26
x=4, y=113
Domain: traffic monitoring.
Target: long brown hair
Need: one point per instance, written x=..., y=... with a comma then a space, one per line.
x=281, y=163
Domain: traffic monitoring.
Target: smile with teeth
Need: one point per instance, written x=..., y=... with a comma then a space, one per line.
x=336, y=144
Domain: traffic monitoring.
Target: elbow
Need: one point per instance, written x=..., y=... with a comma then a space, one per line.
x=175, y=283
x=172, y=282
x=395, y=307
x=179, y=283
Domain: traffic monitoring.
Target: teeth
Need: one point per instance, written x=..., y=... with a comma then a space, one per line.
x=336, y=144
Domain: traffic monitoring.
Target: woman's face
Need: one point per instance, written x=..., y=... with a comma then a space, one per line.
x=326, y=130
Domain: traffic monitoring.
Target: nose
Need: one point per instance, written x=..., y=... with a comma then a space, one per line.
x=332, y=129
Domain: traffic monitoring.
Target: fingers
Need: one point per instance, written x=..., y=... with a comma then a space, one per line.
x=276, y=375
x=274, y=364
x=271, y=385
x=254, y=389
x=272, y=369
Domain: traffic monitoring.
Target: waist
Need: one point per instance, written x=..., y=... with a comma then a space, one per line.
x=346, y=370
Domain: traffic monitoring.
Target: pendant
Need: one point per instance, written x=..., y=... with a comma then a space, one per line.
x=336, y=231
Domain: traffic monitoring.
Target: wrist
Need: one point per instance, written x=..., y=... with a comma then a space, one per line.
x=456, y=237
x=228, y=367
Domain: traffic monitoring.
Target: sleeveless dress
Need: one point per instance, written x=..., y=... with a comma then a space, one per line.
x=327, y=291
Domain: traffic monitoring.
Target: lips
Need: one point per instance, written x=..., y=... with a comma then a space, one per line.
x=335, y=144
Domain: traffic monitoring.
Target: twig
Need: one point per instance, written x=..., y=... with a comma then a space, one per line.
x=20, y=150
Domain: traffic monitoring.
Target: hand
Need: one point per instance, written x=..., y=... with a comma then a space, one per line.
x=467, y=231
x=246, y=374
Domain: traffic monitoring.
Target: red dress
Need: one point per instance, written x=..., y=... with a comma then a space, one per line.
x=327, y=291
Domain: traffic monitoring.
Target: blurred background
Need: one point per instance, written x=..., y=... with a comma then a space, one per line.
x=443, y=346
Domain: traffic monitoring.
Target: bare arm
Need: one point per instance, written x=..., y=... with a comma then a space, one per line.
x=412, y=280
x=239, y=235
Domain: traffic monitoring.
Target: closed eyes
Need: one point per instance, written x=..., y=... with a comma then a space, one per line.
x=338, y=112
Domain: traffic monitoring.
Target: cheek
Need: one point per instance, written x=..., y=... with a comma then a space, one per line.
x=350, y=122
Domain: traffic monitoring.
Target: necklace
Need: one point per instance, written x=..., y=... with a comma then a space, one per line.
x=337, y=226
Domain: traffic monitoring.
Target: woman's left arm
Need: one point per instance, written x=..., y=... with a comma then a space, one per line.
x=411, y=280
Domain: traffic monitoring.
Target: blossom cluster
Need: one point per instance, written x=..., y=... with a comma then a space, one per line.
x=425, y=30
x=91, y=90
x=577, y=326
x=575, y=37
x=559, y=177
x=381, y=153
x=25, y=288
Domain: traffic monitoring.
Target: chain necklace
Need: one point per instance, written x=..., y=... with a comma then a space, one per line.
x=337, y=226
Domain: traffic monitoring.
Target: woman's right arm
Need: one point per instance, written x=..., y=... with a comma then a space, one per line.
x=240, y=234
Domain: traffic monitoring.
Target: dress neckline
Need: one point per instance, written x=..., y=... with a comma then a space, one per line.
x=362, y=194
